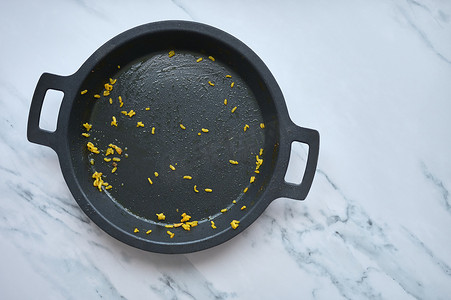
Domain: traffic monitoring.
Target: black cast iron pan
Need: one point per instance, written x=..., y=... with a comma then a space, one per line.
x=168, y=92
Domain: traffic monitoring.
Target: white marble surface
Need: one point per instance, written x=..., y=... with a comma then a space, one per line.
x=374, y=77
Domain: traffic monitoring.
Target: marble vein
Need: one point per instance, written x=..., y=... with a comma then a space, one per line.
x=410, y=19
x=439, y=185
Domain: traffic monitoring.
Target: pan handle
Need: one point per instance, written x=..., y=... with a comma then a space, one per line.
x=34, y=133
x=311, y=138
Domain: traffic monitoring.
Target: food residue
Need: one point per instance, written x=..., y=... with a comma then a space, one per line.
x=161, y=216
x=83, y=92
x=140, y=124
x=187, y=177
x=92, y=148
x=171, y=234
x=114, y=122
x=234, y=224
x=208, y=190
x=87, y=126
x=98, y=182
x=195, y=189
x=171, y=53
x=233, y=109
x=212, y=58
x=233, y=162
x=172, y=167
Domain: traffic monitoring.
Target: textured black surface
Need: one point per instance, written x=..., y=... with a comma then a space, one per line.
x=177, y=91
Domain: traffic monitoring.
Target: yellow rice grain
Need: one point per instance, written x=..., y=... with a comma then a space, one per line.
x=187, y=177
x=156, y=174
x=257, y=171
x=131, y=113
x=261, y=152
x=153, y=130
x=83, y=92
x=224, y=210
x=233, y=109
x=150, y=180
x=252, y=179
x=169, y=226
x=262, y=125
x=107, y=159
x=195, y=189
x=212, y=58
x=171, y=53
x=234, y=201
x=243, y=207
x=245, y=127
x=211, y=83
x=116, y=159
x=118, y=150
x=205, y=130
x=185, y=217
x=114, y=122
x=186, y=227
x=111, y=100
x=140, y=124
x=118, y=66
x=208, y=190
x=233, y=162
x=97, y=96
x=182, y=126
x=172, y=167
x=245, y=190
x=112, y=81
x=149, y=231
x=108, y=187
x=109, y=151
x=234, y=224
x=85, y=134
x=136, y=230
x=161, y=216
x=106, y=93
x=91, y=161
x=87, y=126
x=114, y=170
x=92, y=148
x=229, y=76
x=199, y=59
x=193, y=223
x=213, y=225
x=199, y=133
x=225, y=101
x=232, y=84
x=147, y=108
x=176, y=225
x=171, y=234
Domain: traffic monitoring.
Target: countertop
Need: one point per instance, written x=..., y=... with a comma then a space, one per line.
x=373, y=77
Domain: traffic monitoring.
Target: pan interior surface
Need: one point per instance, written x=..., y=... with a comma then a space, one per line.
x=179, y=136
